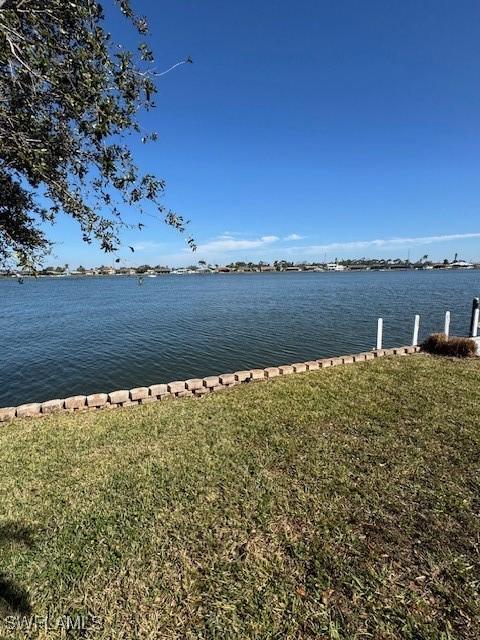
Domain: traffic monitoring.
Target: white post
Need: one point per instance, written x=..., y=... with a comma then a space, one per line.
x=446, y=330
x=379, y=333
x=416, y=327
x=475, y=322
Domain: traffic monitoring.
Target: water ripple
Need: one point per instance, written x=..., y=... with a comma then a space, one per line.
x=61, y=336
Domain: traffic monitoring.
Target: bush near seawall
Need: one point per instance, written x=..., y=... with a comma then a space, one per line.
x=441, y=345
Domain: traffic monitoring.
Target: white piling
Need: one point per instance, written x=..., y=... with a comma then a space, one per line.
x=379, y=333
x=475, y=322
x=416, y=326
x=446, y=330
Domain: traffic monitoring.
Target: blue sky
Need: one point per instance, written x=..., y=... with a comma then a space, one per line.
x=309, y=128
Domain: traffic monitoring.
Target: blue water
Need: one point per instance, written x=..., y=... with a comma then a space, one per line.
x=65, y=336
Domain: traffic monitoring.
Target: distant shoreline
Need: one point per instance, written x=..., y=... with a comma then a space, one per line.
x=89, y=276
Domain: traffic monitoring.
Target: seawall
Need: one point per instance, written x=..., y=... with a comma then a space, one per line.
x=195, y=387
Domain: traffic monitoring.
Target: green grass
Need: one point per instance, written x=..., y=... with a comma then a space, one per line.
x=337, y=504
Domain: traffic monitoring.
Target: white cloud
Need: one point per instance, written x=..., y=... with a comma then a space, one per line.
x=227, y=243
x=268, y=239
x=383, y=243
x=293, y=236
x=227, y=247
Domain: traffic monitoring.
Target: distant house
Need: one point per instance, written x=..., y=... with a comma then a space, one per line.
x=267, y=267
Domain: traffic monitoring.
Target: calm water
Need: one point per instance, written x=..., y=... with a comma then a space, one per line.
x=63, y=336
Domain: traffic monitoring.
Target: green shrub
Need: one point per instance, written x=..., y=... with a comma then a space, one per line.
x=440, y=345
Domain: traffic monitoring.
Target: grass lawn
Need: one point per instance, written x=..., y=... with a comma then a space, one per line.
x=339, y=504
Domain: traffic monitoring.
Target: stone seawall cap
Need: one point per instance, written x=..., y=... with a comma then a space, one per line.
x=364, y=355
x=272, y=372
x=158, y=390
x=285, y=369
x=97, y=400
x=194, y=383
x=211, y=381
x=359, y=357
x=75, y=402
x=242, y=376
x=227, y=378
x=299, y=367
x=7, y=413
x=116, y=397
x=138, y=393
x=176, y=386
x=52, y=406
x=27, y=410
x=324, y=362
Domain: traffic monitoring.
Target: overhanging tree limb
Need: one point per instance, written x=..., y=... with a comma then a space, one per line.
x=69, y=102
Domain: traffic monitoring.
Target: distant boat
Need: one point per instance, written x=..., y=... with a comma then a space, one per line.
x=151, y=275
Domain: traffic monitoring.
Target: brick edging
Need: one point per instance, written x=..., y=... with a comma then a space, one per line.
x=196, y=387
